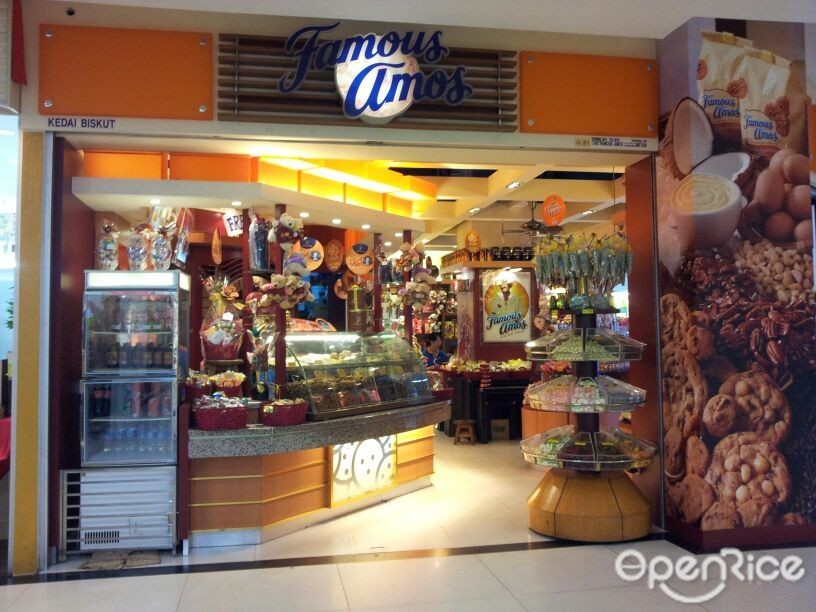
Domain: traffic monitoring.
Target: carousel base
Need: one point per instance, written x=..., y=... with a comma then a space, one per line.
x=589, y=507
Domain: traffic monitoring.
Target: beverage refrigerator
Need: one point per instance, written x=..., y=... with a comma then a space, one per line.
x=135, y=332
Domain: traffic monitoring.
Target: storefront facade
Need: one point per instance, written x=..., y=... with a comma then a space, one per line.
x=165, y=99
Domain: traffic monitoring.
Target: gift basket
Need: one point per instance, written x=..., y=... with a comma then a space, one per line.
x=229, y=383
x=197, y=385
x=218, y=413
x=440, y=390
x=221, y=330
x=285, y=412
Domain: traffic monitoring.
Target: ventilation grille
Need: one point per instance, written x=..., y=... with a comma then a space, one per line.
x=98, y=538
x=249, y=68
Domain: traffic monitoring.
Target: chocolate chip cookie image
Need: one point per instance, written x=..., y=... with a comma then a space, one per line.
x=720, y=416
x=721, y=515
x=760, y=406
x=687, y=329
x=674, y=452
x=697, y=457
x=751, y=474
x=697, y=496
x=684, y=390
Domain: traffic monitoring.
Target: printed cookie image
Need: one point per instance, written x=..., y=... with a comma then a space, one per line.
x=685, y=328
x=684, y=390
x=752, y=474
x=721, y=515
x=697, y=457
x=761, y=405
x=720, y=416
x=697, y=497
x=717, y=370
x=792, y=519
x=674, y=450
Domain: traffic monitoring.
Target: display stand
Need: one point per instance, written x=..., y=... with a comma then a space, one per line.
x=588, y=496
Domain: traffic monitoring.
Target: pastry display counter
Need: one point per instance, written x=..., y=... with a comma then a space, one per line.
x=252, y=485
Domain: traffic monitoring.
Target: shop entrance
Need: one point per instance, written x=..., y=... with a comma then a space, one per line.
x=470, y=225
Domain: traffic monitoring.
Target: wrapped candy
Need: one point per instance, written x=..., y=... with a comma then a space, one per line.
x=137, y=249
x=222, y=329
x=107, y=249
x=161, y=251
x=258, y=243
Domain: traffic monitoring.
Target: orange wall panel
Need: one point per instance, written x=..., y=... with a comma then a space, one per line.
x=203, y=167
x=588, y=95
x=117, y=72
x=113, y=164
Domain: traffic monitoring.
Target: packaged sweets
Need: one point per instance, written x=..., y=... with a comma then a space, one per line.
x=719, y=87
x=107, y=249
x=764, y=109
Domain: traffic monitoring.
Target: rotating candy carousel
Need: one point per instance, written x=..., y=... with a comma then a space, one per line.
x=587, y=494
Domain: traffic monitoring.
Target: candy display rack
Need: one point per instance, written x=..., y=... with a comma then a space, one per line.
x=587, y=494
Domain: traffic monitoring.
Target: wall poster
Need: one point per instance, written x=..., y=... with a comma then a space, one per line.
x=506, y=316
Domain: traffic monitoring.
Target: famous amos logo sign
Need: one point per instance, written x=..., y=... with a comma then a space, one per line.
x=377, y=76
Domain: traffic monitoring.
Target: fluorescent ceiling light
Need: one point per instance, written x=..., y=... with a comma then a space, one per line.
x=514, y=185
x=397, y=234
x=386, y=244
x=155, y=201
x=366, y=226
x=304, y=215
x=337, y=221
x=589, y=212
x=236, y=202
x=291, y=164
x=474, y=210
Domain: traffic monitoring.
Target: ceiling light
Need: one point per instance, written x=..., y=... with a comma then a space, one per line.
x=155, y=201
x=337, y=221
x=424, y=242
x=397, y=234
x=236, y=202
x=291, y=164
x=304, y=215
x=474, y=210
x=366, y=226
x=386, y=244
x=514, y=185
x=589, y=212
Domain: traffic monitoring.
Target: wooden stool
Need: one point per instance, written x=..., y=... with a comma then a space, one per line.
x=465, y=431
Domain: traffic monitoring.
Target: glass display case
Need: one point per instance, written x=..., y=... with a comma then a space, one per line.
x=129, y=421
x=135, y=353
x=132, y=321
x=342, y=374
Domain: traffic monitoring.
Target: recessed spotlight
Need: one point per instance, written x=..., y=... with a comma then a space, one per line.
x=366, y=226
x=474, y=210
x=304, y=215
x=514, y=185
x=397, y=234
x=155, y=201
x=589, y=212
x=424, y=242
x=337, y=221
x=386, y=244
x=236, y=202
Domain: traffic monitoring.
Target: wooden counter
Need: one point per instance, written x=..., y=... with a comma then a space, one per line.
x=251, y=486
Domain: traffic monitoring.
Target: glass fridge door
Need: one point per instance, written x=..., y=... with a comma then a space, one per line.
x=131, y=332
x=129, y=422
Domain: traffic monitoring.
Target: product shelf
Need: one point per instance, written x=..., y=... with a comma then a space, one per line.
x=608, y=449
x=585, y=394
x=584, y=344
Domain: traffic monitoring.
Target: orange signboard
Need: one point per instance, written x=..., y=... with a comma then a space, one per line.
x=118, y=72
x=588, y=95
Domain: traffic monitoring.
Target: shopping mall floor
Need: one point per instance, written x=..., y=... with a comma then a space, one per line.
x=462, y=544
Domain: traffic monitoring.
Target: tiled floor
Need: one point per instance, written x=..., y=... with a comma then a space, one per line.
x=478, y=499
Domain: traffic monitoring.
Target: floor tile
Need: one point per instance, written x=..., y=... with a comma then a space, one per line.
x=133, y=594
x=213, y=554
x=418, y=581
x=550, y=571
x=504, y=604
x=292, y=588
x=621, y=599
x=10, y=593
x=318, y=541
x=489, y=531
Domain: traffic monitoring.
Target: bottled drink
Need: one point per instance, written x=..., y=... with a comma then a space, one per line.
x=130, y=444
x=95, y=398
x=124, y=355
x=112, y=356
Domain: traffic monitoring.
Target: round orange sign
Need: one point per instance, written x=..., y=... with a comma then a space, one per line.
x=311, y=250
x=553, y=210
x=359, y=259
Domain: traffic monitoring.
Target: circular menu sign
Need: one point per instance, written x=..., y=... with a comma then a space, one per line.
x=334, y=255
x=359, y=259
x=312, y=250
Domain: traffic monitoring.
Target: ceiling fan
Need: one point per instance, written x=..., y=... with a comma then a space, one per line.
x=534, y=228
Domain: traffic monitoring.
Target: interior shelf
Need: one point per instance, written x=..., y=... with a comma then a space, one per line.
x=588, y=344
x=608, y=449
x=585, y=394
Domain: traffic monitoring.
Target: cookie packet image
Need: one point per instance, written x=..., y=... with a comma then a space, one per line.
x=765, y=109
x=719, y=88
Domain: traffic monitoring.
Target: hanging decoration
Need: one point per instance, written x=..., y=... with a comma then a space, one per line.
x=285, y=231
x=553, y=210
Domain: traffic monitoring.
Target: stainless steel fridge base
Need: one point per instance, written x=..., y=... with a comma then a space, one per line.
x=125, y=508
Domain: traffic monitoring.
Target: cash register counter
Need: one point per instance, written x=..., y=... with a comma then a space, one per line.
x=253, y=485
